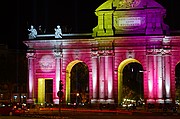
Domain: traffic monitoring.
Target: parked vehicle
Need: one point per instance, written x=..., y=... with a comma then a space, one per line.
x=10, y=109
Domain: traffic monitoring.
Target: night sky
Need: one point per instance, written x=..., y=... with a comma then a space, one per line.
x=77, y=15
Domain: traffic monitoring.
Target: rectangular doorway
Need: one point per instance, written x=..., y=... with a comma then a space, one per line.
x=49, y=91
x=45, y=90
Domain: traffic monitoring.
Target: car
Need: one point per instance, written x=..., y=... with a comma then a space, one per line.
x=9, y=109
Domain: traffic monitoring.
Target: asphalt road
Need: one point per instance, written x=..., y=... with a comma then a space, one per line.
x=93, y=117
x=92, y=114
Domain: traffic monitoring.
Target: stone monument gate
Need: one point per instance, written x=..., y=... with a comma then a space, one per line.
x=128, y=31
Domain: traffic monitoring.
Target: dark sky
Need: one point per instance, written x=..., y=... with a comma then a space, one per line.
x=18, y=15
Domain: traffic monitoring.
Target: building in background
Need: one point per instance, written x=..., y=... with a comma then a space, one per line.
x=13, y=74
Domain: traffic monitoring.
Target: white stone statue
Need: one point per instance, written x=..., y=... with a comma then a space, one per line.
x=33, y=32
x=58, y=32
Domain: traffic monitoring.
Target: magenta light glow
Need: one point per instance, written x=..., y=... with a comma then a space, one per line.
x=94, y=77
x=30, y=85
x=31, y=78
x=56, y=85
x=150, y=77
x=159, y=77
x=101, y=77
x=167, y=75
x=109, y=75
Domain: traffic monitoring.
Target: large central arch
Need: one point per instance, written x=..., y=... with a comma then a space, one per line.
x=120, y=75
x=68, y=82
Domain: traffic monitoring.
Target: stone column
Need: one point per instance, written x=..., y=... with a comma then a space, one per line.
x=30, y=56
x=150, y=74
x=58, y=60
x=108, y=79
x=167, y=72
x=101, y=78
x=109, y=75
x=106, y=76
x=94, y=76
x=158, y=75
x=166, y=75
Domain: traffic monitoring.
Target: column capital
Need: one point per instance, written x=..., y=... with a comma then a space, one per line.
x=105, y=52
x=102, y=53
x=160, y=51
x=30, y=54
x=94, y=54
x=57, y=53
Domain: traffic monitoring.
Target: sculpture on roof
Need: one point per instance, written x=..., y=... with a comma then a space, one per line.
x=33, y=32
x=58, y=32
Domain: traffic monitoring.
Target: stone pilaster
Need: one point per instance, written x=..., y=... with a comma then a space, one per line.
x=30, y=55
x=58, y=61
x=95, y=74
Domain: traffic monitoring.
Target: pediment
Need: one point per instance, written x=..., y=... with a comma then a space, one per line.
x=116, y=17
x=128, y=4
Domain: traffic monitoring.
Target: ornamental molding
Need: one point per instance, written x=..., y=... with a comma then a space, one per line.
x=158, y=51
x=102, y=53
x=130, y=54
x=58, y=53
x=30, y=54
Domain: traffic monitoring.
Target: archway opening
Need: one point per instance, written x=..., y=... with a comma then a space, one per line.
x=130, y=81
x=132, y=85
x=177, y=83
x=77, y=83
